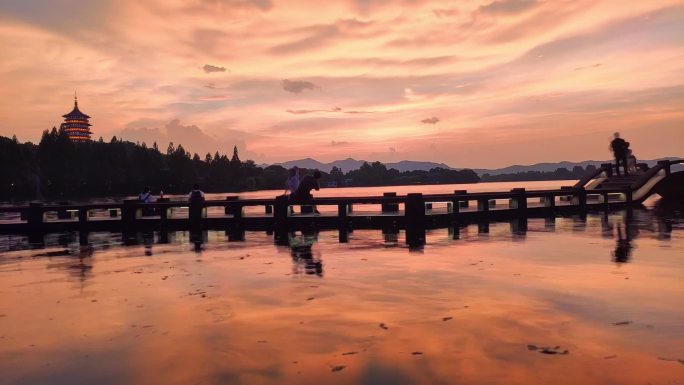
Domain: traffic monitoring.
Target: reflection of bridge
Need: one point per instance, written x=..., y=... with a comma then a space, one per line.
x=413, y=212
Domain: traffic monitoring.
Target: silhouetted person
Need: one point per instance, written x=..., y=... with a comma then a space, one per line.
x=619, y=148
x=308, y=183
x=146, y=196
x=196, y=194
x=623, y=247
x=292, y=182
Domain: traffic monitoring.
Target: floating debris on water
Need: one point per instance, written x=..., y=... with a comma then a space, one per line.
x=610, y=357
x=547, y=349
x=622, y=323
x=311, y=298
x=417, y=353
x=447, y=318
x=337, y=368
x=384, y=326
x=349, y=353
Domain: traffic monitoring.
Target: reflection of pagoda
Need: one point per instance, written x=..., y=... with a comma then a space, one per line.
x=76, y=124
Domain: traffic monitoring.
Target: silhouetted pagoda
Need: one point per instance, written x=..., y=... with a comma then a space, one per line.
x=76, y=124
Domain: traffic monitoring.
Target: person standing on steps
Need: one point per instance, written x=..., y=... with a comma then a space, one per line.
x=619, y=148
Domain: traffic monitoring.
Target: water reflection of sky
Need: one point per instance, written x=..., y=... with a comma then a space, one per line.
x=469, y=307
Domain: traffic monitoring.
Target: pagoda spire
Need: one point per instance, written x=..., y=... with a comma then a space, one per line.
x=75, y=100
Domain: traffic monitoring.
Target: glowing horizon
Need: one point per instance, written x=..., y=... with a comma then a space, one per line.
x=482, y=84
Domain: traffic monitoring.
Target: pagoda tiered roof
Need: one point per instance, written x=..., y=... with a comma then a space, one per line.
x=76, y=114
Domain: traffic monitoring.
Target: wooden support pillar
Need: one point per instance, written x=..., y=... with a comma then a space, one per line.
x=483, y=227
x=609, y=168
x=550, y=223
x=580, y=198
x=390, y=207
x=62, y=212
x=268, y=209
x=35, y=216
x=629, y=200
x=229, y=209
x=83, y=215
x=342, y=211
x=281, y=212
x=415, y=220
x=460, y=203
x=195, y=214
x=519, y=201
x=236, y=234
x=343, y=234
x=390, y=234
x=83, y=236
x=519, y=226
x=666, y=166
x=549, y=201
x=454, y=232
x=129, y=212
x=483, y=204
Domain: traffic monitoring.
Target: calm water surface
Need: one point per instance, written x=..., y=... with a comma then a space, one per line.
x=571, y=301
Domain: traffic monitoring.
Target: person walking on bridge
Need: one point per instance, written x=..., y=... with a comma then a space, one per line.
x=619, y=148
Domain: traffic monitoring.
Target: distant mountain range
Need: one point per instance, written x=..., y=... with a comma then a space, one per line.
x=542, y=167
x=349, y=164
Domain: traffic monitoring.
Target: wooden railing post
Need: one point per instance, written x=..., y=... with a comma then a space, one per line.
x=666, y=166
x=83, y=215
x=609, y=168
x=519, y=201
x=342, y=211
x=35, y=215
x=580, y=198
x=129, y=212
x=235, y=211
x=195, y=212
x=280, y=210
x=62, y=212
x=483, y=204
x=390, y=207
x=415, y=219
x=460, y=203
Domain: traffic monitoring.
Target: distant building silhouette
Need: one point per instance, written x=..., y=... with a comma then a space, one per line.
x=76, y=124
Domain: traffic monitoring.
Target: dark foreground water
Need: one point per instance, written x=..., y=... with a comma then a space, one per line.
x=571, y=301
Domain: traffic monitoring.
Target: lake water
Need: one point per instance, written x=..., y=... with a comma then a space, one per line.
x=595, y=300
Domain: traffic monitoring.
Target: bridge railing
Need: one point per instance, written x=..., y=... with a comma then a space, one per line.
x=416, y=207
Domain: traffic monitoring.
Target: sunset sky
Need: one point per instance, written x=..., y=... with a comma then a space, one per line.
x=469, y=83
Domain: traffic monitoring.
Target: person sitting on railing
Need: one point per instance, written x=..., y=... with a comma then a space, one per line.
x=292, y=183
x=631, y=161
x=196, y=195
x=146, y=197
x=619, y=147
x=303, y=192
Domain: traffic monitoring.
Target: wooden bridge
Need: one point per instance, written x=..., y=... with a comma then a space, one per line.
x=413, y=212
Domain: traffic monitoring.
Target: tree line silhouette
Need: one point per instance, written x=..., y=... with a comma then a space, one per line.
x=59, y=168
